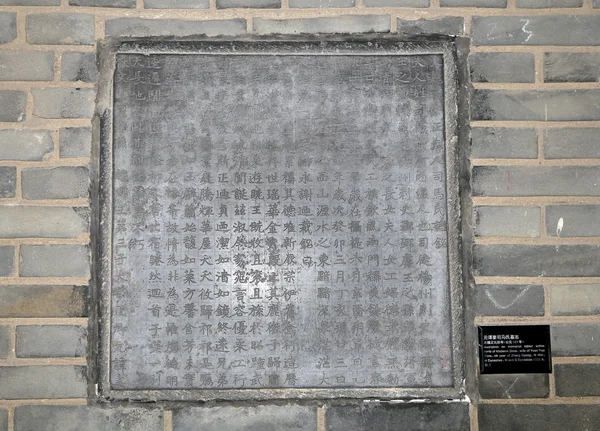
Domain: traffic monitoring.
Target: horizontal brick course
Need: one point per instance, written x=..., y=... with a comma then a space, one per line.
x=547, y=417
x=504, y=143
x=8, y=27
x=12, y=105
x=473, y=3
x=502, y=67
x=60, y=29
x=575, y=299
x=8, y=181
x=507, y=221
x=174, y=4
x=103, y=3
x=54, y=261
x=509, y=300
x=447, y=25
x=46, y=381
x=26, y=66
x=25, y=144
x=171, y=27
x=79, y=66
x=7, y=260
x=85, y=418
x=320, y=3
x=577, y=380
x=511, y=386
x=66, y=182
x=536, y=260
x=63, y=102
x=536, y=180
x=396, y=3
x=548, y=3
x=43, y=301
x=339, y=24
x=536, y=30
x=259, y=418
x=552, y=105
x=573, y=220
x=575, y=339
x=572, y=67
x=50, y=341
x=75, y=141
x=29, y=2
x=43, y=222
x=225, y=4
x=577, y=143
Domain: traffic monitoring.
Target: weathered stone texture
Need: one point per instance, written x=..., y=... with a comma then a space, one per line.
x=8, y=181
x=396, y=3
x=171, y=27
x=548, y=3
x=3, y=420
x=547, y=417
x=63, y=102
x=5, y=342
x=572, y=67
x=573, y=220
x=506, y=221
x=43, y=222
x=43, y=301
x=259, y=418
x=447, y=25
x=26, y=66
x=510, y=386
x=8, y=27
x=79, y=66
x=103, y=3
x=65, y=182
x=502, y=67
x=54, y=261
x=340, y=24
x=51, y=341
x=577, y=380
x=263, y=4
x=176, y=4
x=44, y=381
x=75, y=142
x=575, y=299
x=320, y=3
x=7, y=260
x=575, y=143
x=509, y=300
x=473, y=3
x=29, y=2
x=504, y=143
x=575, y=339
x=12, y=105
x=60, y=29
x=25, y=144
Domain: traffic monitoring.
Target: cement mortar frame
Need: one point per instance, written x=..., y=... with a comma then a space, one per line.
x=101, y=226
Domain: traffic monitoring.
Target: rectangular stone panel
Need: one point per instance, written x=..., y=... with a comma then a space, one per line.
x=294, y=235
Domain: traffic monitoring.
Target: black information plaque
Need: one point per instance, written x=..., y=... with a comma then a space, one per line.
x=514, y=349
x=280, y=217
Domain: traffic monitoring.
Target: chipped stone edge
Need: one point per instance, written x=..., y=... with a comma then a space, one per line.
x=99, y=388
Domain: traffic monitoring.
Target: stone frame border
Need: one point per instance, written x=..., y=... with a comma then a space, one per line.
x=101, y=203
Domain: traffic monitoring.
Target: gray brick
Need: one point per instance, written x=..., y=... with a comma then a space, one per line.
x=49, y=381
x=340, y=24
x=537, y=260
x=502, y=67
x=548, y=3
x=575, y=339
x=60, y=29
x=8, y=181
x=473, y=3
x=263, y=4
x=559, y=105
x=8, y=27
x=320, y=3
x=596, y=3
x=509, y=300
x=3, y=420
x=396, y=3
x=29, y=2
x=503, y=143
x=63, y=102
x=54, y=261
x=536, y=181
x=43, y=222
x=259, y=418
x=387, y=417
x=577, y=380
x=7, y=260
x=169, y=27
x=5, y=342
x=79, y=66
x=25, y=144
x=536, y=30
x=103, y=3
x=572, y=67
x=579, y=143
x=75, y=142
x=55, y=183
x=12, y=105
x=43, y=301
x=85, y=418
x=507, y=221
x=575, y=299
x=509, y=386
x=447, y=25
x=176, y=4
x=51, y=341
x=26, y=66
x=546, y=417
x=573, y=220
